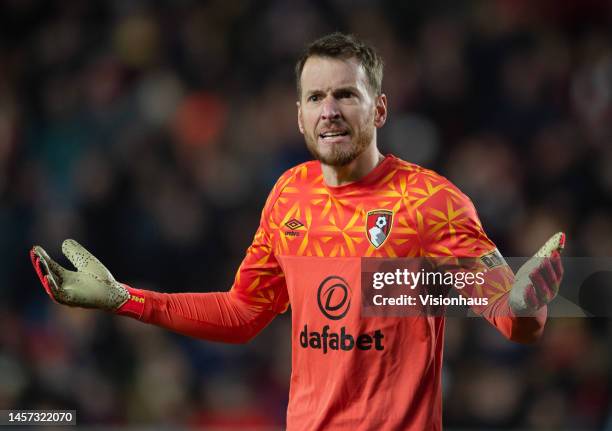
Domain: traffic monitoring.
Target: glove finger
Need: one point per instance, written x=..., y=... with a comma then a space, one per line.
x=554, y=243
x=544, y=291
x=36, y=263
x=557, y=266
x=531, y=298
x=53, y=282
x=82, y=259
x=53, y=287
x=552, y=272
x=550, y=278
x=49, y=264
x=46, y=277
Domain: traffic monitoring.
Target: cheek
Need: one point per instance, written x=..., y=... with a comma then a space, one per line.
x=309, y=120
x=363, y=118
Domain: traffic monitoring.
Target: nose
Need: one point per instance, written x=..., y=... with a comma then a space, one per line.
x=330, y=109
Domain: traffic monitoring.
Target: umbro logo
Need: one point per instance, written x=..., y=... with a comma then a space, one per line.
x=293, y=224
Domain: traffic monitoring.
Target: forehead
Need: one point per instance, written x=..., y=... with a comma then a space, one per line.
x=324, y=73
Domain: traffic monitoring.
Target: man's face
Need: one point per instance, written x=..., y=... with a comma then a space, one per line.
x=337, y=111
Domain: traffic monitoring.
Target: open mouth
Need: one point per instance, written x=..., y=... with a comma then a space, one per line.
x=332, y=136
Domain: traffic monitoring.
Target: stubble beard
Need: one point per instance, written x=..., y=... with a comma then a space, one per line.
x=341, y=155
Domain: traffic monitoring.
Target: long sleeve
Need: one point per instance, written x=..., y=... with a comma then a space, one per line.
x=218, y=316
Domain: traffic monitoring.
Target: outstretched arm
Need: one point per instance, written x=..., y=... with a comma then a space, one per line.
x=220, y=316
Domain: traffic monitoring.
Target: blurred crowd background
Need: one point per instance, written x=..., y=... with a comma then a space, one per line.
x=152, y=131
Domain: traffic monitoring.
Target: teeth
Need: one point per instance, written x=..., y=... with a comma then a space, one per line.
x=331, y=135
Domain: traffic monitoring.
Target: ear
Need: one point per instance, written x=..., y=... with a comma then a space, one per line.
x=380, y=115
x=299, y=117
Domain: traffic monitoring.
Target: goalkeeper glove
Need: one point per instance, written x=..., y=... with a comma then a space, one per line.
x=537, y=281
x=90, y=286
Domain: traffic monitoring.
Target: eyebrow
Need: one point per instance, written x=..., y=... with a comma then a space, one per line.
x=335, y=90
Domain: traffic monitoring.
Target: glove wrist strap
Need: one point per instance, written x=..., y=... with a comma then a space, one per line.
x=134, y=306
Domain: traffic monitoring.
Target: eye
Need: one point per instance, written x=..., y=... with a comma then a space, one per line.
x=314, y=98
x=344, y=94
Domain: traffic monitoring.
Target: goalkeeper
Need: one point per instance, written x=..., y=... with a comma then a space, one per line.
x=320, y=219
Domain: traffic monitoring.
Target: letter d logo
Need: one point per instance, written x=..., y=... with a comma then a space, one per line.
x=334, y=297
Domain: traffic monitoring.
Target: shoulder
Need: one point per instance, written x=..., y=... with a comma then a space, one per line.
x=427, y=188
x=402, y=168
x=419, y=176
x=295, y=177
x=445, y=218
x=303, y=173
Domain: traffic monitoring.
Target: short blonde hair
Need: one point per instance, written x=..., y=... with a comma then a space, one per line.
x=344, y=46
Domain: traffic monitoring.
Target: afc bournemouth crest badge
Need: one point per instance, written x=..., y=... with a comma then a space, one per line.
x=378, y=226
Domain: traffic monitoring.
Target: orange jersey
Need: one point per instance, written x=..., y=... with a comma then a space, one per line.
x=351, y=372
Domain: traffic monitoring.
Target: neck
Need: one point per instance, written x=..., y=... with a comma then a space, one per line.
x=364, y=164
